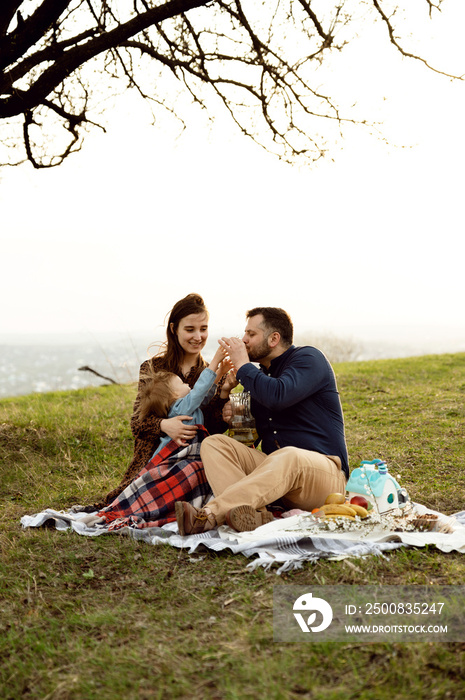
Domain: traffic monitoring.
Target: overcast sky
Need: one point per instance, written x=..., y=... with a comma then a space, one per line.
x=367, y=244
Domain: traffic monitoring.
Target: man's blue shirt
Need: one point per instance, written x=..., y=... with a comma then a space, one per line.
x=295, y=402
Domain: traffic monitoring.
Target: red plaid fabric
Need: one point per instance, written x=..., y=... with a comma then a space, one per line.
x=174, y=474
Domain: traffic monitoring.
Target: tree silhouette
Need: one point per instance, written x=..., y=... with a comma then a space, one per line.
x=258, y=60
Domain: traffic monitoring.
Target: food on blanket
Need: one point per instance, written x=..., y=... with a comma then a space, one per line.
x=359, y=510
x=337, y=509
x=359, y=501
x=318, y=513
x=332, y=516
x=427, y=521
x=294, y=511
x=335, y=498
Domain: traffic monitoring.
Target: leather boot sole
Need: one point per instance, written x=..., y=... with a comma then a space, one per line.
x=246, y=518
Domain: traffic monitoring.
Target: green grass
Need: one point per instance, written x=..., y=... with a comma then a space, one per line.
x=84, y=618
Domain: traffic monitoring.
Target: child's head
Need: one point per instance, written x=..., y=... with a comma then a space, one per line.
x=179, y=387
x=158, y=392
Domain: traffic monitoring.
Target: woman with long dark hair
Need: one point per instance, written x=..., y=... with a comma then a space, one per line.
x=186, y=335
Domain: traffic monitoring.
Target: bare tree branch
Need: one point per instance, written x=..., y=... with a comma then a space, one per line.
x=97, y=374
x=23, y=100
x=328, y=39
x=30, y=30
x=8, y=10
x=405, y=53
x=257, y=61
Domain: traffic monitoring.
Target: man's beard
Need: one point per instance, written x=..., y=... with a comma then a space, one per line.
x=260, y=352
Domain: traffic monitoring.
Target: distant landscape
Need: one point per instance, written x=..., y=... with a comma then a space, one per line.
x=41, y=363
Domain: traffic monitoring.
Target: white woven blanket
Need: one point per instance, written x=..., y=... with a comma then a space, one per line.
x=286, y=542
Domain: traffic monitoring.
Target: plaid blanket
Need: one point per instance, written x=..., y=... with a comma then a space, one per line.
x=174, y=474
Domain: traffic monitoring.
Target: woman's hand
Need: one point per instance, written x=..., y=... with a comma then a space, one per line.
x=177, y=430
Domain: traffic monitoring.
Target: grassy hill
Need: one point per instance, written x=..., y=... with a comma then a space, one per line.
x=82, y=618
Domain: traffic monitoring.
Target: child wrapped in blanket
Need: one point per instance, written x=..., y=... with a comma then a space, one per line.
x=165, y=394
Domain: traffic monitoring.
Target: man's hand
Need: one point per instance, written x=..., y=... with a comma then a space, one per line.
x=236, y=350
x=227, y=412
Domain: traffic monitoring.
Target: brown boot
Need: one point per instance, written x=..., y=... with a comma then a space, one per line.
x=246, y=518
x=192, y=520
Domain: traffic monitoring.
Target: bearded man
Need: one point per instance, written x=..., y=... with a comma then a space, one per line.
x=299, y=420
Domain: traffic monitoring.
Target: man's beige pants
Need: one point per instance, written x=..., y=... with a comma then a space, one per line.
x=239, y=475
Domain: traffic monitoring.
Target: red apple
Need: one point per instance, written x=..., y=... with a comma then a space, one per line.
x=359, y=501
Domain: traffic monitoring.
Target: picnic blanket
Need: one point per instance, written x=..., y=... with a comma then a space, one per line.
x=286, y=542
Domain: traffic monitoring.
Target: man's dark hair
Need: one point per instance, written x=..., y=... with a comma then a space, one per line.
x=275, y=319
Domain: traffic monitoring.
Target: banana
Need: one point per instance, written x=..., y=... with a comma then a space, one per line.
x=359, y=510
x=337, y=509
x=335, y=498
x=331, y=516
